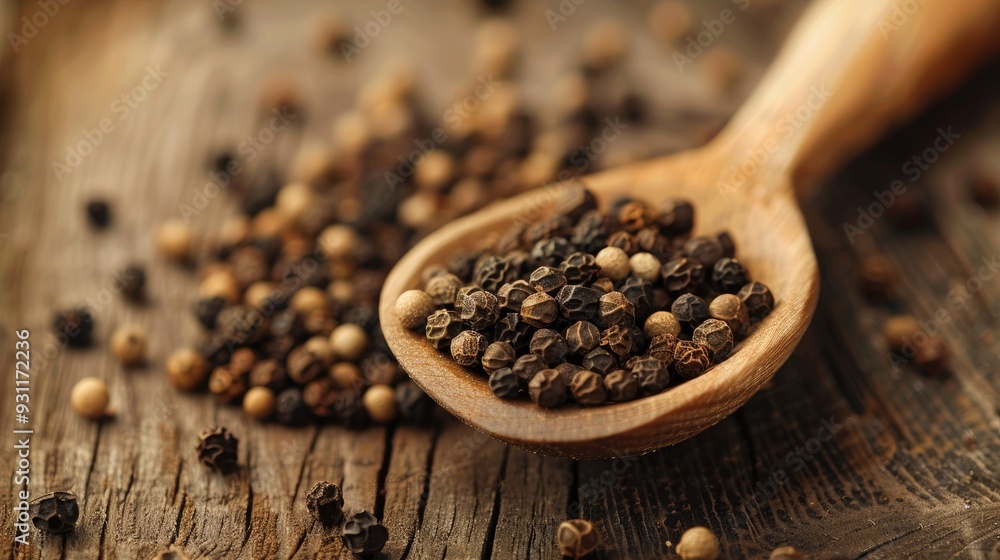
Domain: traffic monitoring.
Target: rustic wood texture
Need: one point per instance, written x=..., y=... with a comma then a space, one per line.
x=910, y=472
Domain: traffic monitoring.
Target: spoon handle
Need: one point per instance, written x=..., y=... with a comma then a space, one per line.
x=850, y=70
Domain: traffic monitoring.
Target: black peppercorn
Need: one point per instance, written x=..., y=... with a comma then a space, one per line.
x=133, y=282
x=506, y=384
x=491, y=272
x=703, y=249
x=662, y=348
x=652, y=375
x=513, y=294
x=621, y=386
x=682, y=275
x=676, y=217
x=55, y=512
x=567, y=371
x=303, y=365
x=580, y=268
x=591, y=232
x=728, y=275
x=412, y=403
x=217, y=449
x=442, y=327
x=513, y=330
x=623, y=240
x=690, y=310
x=600, y=360
x=588, y=388
x=326, y=503
x=240, y=325
x=540, y=309
x=691, y=359
x=207, y=309
x=461, y=264
x=319, y=395
x=290, y=409
x=616, y=309
x=582, y=337
x=578, y=303
x=618, y=339
x=650, y=240
x=480, y=310
x=467, y=348
x=526, y=366
x=98, y=213
x=551, y=252
x=550, y=346
x=640, y=294
x=758, y=300
x=547, y=279
x=75, y=325
x=499, y=355
x=576, y=538
x=363, y=534
x=226, y=386
x=716, y=336
x=268, y=373
x=547, y=388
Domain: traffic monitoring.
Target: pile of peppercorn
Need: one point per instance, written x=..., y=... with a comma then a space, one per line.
x=576, y=305
x=288, y=294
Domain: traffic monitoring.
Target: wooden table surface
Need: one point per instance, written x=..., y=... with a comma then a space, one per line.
x=842, y=454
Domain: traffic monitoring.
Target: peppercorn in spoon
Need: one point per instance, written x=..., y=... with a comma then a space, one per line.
x=850, y=70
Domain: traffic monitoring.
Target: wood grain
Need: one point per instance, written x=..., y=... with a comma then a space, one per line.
x=911, y=474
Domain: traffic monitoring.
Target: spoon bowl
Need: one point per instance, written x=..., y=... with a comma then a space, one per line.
x=773, y=244
x=840, y=81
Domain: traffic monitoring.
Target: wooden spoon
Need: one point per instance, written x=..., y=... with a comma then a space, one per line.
x=850, y=70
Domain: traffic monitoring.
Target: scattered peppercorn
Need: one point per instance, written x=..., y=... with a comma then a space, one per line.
x=186, y=369
x=698, y=543
x=576, y=538
x=876, y=277
x=128, y=344
x=259, y=402
x=133, y=282
x=217, y=449
x=363, y=534
x=74, y=325
x=55, y=512
x=90, y=397
x=380, y=403
x=174, y=240
x=325, y=503
x=98, y=213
